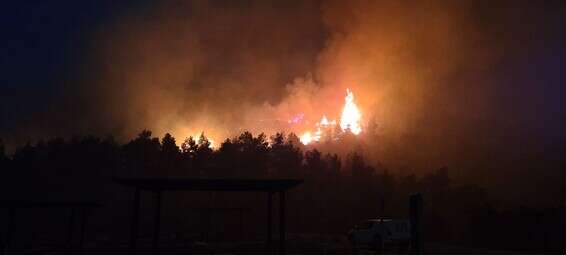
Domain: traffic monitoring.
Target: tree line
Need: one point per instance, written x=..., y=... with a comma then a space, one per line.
x=338, y=190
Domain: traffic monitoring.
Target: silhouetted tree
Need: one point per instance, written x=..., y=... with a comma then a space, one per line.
x=294, y=140
x=409, y=185
x=253, y=153
x=24, y=157
x=277, y=140
x=142, y=154
x=189, y=147
x=437, y=187
x=203, y=154
x=169, y=146
x=2, y=152
x=170, y=153
x=358, y=167
x=4, y=168
x=286, y=159
x=3, y=158
x=314, y=163
x=227, y=157
x=334, y=164
x=333, y=197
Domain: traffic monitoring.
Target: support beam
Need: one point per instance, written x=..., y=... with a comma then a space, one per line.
x=416, y=206
x=179, y=184
x=282, y=223
x=70, y=233
x=83, y=227
x=157, y=222
x=10, y=231
x=242, y=236
x=135, y=217
x=269, y=222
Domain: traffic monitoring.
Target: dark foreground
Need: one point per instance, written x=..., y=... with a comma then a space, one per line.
x=297, y=244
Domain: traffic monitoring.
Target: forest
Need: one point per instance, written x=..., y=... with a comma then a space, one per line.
x=338, y=190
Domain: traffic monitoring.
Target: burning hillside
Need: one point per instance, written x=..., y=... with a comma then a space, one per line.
x=323, y=130
x=349, y=122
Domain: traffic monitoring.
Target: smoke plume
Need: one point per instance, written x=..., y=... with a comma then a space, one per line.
x=430, y=75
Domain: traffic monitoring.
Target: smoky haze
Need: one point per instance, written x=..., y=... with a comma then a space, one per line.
x=445, y=82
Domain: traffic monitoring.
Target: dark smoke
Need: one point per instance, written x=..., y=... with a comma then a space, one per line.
x=462, y=83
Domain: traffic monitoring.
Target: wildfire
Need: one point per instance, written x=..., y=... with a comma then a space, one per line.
x=351, y=115
x=324, y=121
x=198, y=138
x=349, y=121
x=306, y=138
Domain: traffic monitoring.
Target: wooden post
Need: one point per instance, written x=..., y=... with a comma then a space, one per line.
x=157, y=222
x=269, y=222
x=83, y=226
x=282, y=223
x=135, y=217
x=242, y=224
x=10, y=231
x=416, y=205
x=70, y=233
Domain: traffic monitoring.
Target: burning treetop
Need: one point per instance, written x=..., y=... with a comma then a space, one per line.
x=349, y=121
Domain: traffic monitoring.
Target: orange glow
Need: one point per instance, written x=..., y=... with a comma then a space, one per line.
x=324, y=121
x=196, y=137
x=349, y=121
x=306, y=138
x=351, y=115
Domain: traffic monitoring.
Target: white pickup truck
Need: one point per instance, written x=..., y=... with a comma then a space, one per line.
x=378, y=233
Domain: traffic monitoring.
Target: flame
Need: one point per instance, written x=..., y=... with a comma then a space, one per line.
x=197, y=137
x=324, y=121
x=351, y=115
x=306, y=138
x=349, y=121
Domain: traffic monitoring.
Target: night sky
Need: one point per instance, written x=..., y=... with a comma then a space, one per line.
x=43, y=37
x=42, y=44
